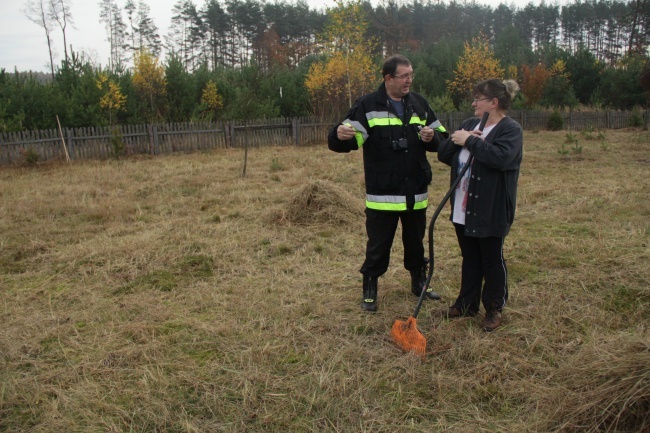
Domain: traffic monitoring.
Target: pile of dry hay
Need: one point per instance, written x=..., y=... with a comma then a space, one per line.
x=321, y=202
x=605, y=389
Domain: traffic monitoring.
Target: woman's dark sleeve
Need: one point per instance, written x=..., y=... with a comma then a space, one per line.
x=446, y=151
x=501, y=150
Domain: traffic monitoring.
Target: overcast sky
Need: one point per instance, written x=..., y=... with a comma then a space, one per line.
x=23, y=44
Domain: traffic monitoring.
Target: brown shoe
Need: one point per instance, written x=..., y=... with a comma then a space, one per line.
x=455, y=313
x=491, y=321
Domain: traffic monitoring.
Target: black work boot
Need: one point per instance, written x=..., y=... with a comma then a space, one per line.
x=418, y=279
x=369, y=301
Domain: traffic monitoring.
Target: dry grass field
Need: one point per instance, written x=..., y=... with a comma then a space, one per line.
x=171, y=294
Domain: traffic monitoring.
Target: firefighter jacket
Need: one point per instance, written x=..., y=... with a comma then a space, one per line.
x=492, y=191
x=397, y=172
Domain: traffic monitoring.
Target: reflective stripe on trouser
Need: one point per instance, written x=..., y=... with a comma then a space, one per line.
x=381, y=228
x=395, y=203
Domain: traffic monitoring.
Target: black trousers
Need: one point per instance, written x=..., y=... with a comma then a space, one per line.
x=381, y=228
x=482, y=261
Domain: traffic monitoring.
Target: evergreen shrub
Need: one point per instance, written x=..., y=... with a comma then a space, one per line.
x=555, y=122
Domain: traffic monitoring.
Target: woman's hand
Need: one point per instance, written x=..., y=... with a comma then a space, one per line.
x=460, y=137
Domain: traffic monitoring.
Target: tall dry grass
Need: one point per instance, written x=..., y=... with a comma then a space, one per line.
x=171, y=294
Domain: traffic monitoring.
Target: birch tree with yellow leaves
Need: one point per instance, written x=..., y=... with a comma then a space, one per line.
x=477, y=63
x=211, y=99
x=348, y=70
x=150, y=85
x=112, y=99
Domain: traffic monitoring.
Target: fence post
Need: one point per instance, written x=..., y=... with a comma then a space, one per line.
x=156, y=140
x=295, y=130
x=150, y=136
x=69, y=132
x=154, y=145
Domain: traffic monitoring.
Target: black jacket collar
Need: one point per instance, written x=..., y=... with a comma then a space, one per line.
x=410, y=102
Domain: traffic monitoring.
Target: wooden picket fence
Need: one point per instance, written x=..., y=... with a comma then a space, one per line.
x=573, y=120
x=126, y=140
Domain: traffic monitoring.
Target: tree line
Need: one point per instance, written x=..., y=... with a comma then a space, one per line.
x=234, y=32
x=244, y=59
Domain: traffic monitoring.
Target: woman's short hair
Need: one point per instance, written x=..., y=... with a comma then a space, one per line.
x=503, y=90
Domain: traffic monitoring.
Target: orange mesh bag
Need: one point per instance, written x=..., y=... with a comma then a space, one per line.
x=408, y=338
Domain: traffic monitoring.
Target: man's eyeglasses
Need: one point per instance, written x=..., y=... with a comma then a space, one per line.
x=404, y=76
x=482, y=99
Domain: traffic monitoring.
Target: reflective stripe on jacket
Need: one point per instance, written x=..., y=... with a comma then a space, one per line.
x=396, y=178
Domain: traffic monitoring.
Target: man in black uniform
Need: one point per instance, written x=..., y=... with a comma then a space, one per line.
x=395, y=127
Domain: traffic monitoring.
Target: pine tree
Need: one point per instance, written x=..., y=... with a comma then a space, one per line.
x=111, y=15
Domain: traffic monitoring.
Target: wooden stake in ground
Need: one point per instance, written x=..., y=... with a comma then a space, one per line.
x=65, y=149
x=245, y=157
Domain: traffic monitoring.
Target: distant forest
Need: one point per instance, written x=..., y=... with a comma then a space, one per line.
x=245, y=59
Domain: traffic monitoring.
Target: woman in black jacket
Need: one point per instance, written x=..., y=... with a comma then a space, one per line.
x=483, y=205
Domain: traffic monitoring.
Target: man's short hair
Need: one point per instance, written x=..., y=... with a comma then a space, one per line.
x=391, y=64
